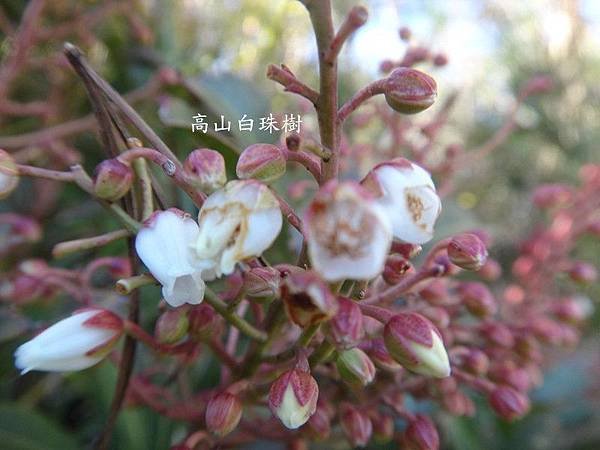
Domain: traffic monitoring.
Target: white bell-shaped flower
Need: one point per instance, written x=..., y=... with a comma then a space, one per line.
x=237, y=222
x=407, y=194
x=166, y=246
x=74, y=343
x=348, y=234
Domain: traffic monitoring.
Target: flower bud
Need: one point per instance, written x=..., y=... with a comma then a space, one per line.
x=346, y=327
x=491, y=270
x=223, y=413
x=262, y=282
x=112, y=179
x=383, y=428
x=478, y=299
x=440, y=60
x=435, y=292
x=572, y=310
x=205, y=170
x=355, y=367
x=405, y=34
x=582, y=272
x=476, y=362
x=421, y=434
x=467, y=251
x=9, y=175
x=356, y=425
x=203, y=322
x=528, y=348
x=498, y=334
x=381, y=357
x=416, y=343
x=264, y=162
x=457, y=403
x=307, y=299
x=74, y=343
x=508, y=403
x=409, y=91
x=320, y=422
x=546, y=330
x=510, y=375
x=437, y=315
x=293, y=397
x=171, y=326
x=395, y=269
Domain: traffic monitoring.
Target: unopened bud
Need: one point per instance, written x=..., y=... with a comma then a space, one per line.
x=205, y=170
x=405, y=33
x=572, y=310
x=421, y=434
x=293, y=397
x=356, y=425
x=582, y=272
x=498, y=334
x=510, y=375
x=9, y=175
x=440, y=60
x=112, y=179
x=458, y=404
x=223, y=413
x=491, y=270
x=416, y=343
x=203, y=322
x=320, y=423
x=262, y=282
x=478, y=299
x=171, y=326
x=439, y=316
x=435, y=292
x=476, y=362
x=467, y=251
x=508, y=403
x=395, y=269
x=409, y=91
x=355, y=367
x=346, y=327
x=264, y=162
x=383, y=427
x=307, y=299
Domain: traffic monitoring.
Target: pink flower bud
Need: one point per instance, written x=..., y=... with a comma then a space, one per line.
x=416, y=343
x=408, y=251
x=435, y=292
x=381, y=357
x=409, y=91
x=171, y=326
x=528, y=348
x=223, y=413
x=112, y=179
x=476, y=362
x=572, y=310
x=582, y=272
x=467, y=251
x=491, y=270
x=421, y=434
x=262, y=282
x=346, y=327
x=458, y=404
x=9, y=175
x=498, y=334
x=383, y=427
x=552, y=195
x=508, y=403
x=478, y=299
x=439, y=316
x=440, y=59
x=205, y=169
x=203, y=322
x=355, y=367
x=307, y=299
x=395, y=269
x=320, y=423
x=405, y=33
x=293, y=397
x=510, y=375
x=264, y=162
x=74, y=343
x=356, y=425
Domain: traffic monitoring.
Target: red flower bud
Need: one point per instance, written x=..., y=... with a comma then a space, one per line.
x=435, y=292
x=383, y=427
x=498, y=334
x=356, y=425
x=395, y=269
x=320, y=423
x=381, y=357
x=582, y=272
x=355, y=367
x=510, y=375
x=307, y=299
x=476, y=362
x=491, y=270
x=171, y=326
x=439, y=316
x=478, y=299
x=458, y=404
x=467, y=251
x=112, y=179
x=264, y=162
x=409, y=91
x=421, y=434
x=508, y=403
x=293, y=397
x=203, y=322
x=262, y=282
x=440, y=60
x=346, y=327
x=205, y=169
x=223, y=413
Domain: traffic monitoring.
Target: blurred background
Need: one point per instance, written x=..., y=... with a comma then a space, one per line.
x=222, y=48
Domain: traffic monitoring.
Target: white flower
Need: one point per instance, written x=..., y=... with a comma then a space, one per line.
x=237, y=222
x=75, y=343
x=348, y=234
x=407, y=194
x=166, y=246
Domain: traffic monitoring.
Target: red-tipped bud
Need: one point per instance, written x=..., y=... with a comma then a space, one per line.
x=405, y=249
x=346, y=328
x=572, y=310
x=355, y=367
x=356, y=425
x=478, y=299
x=383, y=428
x=551, y=195
x=458, y=404
x=498, y=334
x=435, y=292
x=476, y=362
x=223, y=413
x=440, y=59
x=395, y=269
x=171, y=326
x=262, y=282
x=416, y=343
x=467, y=251
x=491, y=270
x=508, y=403
x=421, y=434
x=439, y=316
x=205, y=170
x=307, y=299
x=112, y=179
x=320, y=423
x=528, y=348
x=381, y=357
x=582, y=272
x=203, y=322
x=409, y=91
x=510, y=375
x=9, y=175
x=293, y=397
x=547, y=330
x=264, y=162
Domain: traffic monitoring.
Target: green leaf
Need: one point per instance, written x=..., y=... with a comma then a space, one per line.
x=24, y=429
